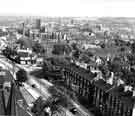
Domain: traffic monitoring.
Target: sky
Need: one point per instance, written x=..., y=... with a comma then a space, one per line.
x=75, y=8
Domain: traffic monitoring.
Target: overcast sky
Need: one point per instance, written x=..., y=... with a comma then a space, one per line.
x=90, y=8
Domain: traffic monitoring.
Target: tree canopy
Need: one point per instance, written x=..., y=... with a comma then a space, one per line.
x=133, y=47
x=8, y=51
x=60, y=49
x=21, y=75
x=38, y=48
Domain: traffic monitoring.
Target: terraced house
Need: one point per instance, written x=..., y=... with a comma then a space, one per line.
x=111, y=100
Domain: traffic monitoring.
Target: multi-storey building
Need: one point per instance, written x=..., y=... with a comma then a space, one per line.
x=26, y=56
x=81, y=80
x=54, y=35
x=109, y=99
x=121, y=102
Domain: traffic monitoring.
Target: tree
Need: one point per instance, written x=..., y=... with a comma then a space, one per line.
x=102, y=45
x=106, y=35
x=85, y=58
x=54, y=103
x=21, y=76
x=38, y=48
x=59, y=97
x=38, y=106
x=75, y=46
x=60, y=49
x=8, y=51
x=116, y=65
x=133, y=47
x=76, y=54
x=42, y=29
x=17, y=59
x=47, y=66
x=131, y=58
x=58, y=100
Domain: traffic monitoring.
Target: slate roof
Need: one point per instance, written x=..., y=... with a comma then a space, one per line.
x=103, y=85
x=80, y=71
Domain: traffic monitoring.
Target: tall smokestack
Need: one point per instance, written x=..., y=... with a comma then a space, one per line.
x=38, y=23
x=23, y=24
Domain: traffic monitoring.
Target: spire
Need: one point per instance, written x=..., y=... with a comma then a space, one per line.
x=11, y=106
x=2, y=103
x=23, y=29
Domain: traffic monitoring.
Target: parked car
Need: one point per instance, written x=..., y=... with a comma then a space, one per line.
x=73, y=110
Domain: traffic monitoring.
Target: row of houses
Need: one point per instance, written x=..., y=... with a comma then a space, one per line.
x=54, y=35
x=109, y=99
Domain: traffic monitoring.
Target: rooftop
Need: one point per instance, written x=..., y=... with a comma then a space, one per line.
x=82, y=72
x=124, y=97
x=103, y=85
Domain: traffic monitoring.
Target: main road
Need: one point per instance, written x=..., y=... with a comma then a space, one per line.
x=27, y=91
x=31, y=94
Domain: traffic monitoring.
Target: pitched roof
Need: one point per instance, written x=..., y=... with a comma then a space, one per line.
x=80, y=71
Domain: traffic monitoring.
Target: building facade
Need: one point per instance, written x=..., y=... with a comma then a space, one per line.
x=109, y=99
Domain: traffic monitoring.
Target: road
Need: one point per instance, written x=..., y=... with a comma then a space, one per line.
x=40, y=90
x=43, y=85
x=27, y=91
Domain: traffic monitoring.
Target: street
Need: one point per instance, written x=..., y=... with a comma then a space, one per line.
x=41, y=88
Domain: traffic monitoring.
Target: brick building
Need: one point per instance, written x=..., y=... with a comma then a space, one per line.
x=109, y=99
x=81, y=80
